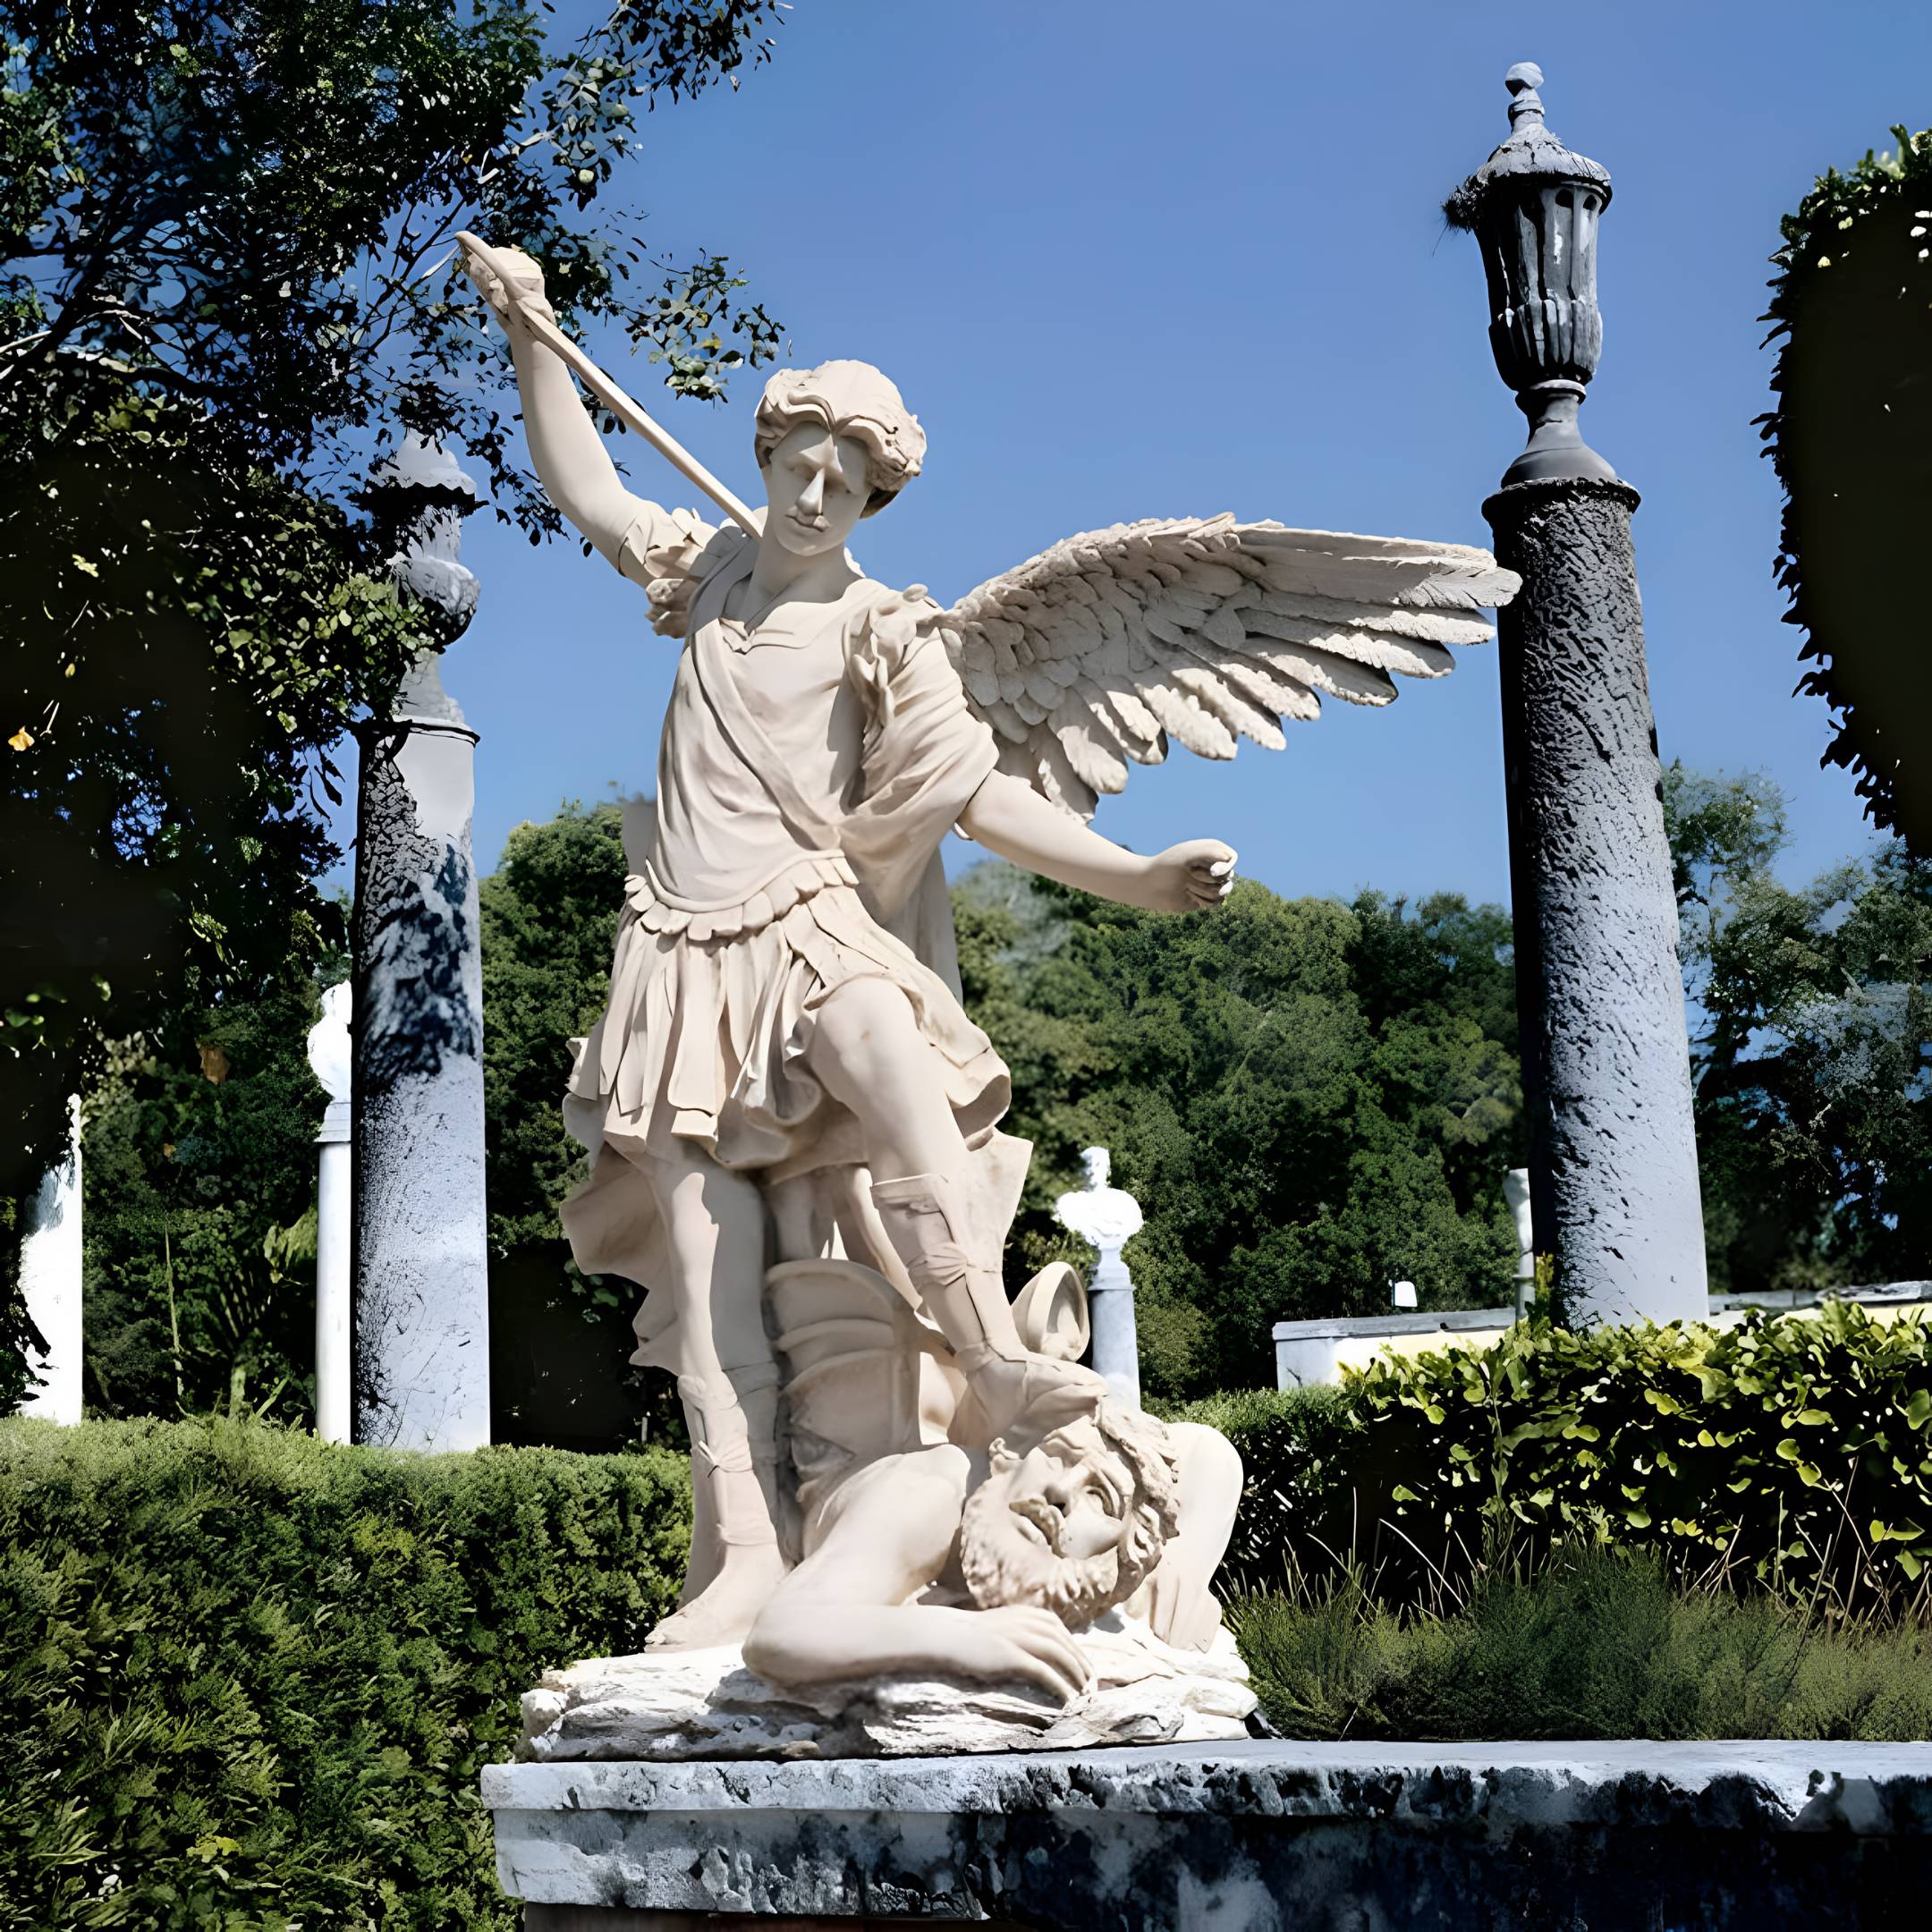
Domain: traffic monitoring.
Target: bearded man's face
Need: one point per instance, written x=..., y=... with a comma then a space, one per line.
x=1064, y=1526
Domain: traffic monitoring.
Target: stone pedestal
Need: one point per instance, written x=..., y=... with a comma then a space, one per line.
x=1116, y=1342
x=1605, y=1063
x=1257, y=1837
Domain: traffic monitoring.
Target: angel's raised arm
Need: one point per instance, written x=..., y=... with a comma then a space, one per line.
x=571, y=463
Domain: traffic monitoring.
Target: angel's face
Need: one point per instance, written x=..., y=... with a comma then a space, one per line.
x=816, y=485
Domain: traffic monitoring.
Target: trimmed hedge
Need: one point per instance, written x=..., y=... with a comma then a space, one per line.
x=250, y=1681
x=1794, y=1453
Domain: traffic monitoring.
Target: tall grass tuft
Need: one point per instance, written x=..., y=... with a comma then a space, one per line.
x=1588, y=1643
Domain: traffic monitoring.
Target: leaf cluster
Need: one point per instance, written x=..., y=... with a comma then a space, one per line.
x=254, y=207
x=251, y=1680
x=1794, y=1451
x=549, y=924
x=1852, y=311
x=199, y=1217
x=1811, y=1046
x=227, y=279
x=192, y=639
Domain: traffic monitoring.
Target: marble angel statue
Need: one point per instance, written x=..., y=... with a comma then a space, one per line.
x=784, y=1070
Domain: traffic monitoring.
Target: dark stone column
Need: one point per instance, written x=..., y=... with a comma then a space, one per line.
x=1607, y=1080
x=420, y=1344
x=1607, y=1069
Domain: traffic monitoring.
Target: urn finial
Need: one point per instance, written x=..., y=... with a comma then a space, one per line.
x=1533, y=207
x=1522, y=81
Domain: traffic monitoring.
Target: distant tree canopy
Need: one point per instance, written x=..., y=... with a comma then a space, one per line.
x=1851, y=308
x=226, y=280
x=549, y=926
x=197, y=1217
x=1811, y=1048
x=1313, y=1101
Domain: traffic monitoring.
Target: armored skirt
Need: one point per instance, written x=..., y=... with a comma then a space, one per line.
x=706, y=1038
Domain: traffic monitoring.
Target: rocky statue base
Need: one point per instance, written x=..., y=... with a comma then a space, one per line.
x=660, y=1707
x=1247, y=1837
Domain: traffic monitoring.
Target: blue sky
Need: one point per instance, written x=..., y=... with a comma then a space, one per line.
x=1131, y=259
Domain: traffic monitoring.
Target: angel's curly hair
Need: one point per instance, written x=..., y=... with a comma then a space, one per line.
x=848, y=399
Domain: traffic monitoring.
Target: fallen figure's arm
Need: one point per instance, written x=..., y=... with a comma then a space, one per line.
x=846, y=1612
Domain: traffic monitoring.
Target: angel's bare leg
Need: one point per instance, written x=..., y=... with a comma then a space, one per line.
x=868, y=1052
x=715, y=1221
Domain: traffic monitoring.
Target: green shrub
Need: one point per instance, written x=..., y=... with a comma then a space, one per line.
x=1595, y=1644
x=1797, y=1452
x=1300, y=1448
x=250, y=1681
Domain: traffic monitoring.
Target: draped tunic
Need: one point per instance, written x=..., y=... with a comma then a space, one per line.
x=809, y=768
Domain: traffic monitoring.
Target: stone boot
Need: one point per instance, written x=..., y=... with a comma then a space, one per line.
x=963, y=1293
x=725, y=1465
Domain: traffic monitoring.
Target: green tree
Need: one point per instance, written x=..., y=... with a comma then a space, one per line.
x=559, y=1339
x=198, y=1211
x=549, y=920
x=1852, y=311
x=1311, y=1099
x=228, y=279
x=1811, y=1048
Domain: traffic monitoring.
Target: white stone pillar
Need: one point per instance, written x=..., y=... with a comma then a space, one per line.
x=51, y=1282
x=1516, y=1194
x=328, y=1054
x=421, y=1267
x=1108, y=1218
x=1116, y=1340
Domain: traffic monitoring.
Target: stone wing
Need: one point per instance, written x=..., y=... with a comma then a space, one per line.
x=1092, y=654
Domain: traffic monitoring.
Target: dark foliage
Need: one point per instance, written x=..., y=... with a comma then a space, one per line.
x=1852, y=310
x=1811, y=1048
x=228, y=282
x=199, y=1217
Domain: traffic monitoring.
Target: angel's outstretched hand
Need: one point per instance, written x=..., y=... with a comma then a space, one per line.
x=1194, y=876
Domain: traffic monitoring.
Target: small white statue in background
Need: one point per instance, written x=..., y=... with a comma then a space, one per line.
x=1107, y=1217
x=328, y=1043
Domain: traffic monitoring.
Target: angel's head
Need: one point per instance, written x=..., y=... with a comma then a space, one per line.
x=835, y=444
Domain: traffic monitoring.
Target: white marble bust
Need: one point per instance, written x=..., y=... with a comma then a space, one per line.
x=1107, y=1217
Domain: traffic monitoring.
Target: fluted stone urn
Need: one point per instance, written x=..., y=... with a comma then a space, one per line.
x=1533, y=207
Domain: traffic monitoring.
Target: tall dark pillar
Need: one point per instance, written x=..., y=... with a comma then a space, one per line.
x=1606, y=1075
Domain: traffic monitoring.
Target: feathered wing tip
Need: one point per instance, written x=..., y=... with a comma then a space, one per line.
x=1089, y=657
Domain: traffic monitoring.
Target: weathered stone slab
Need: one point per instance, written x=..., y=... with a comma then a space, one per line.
x=706, y=1705
x=1253, y=1837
